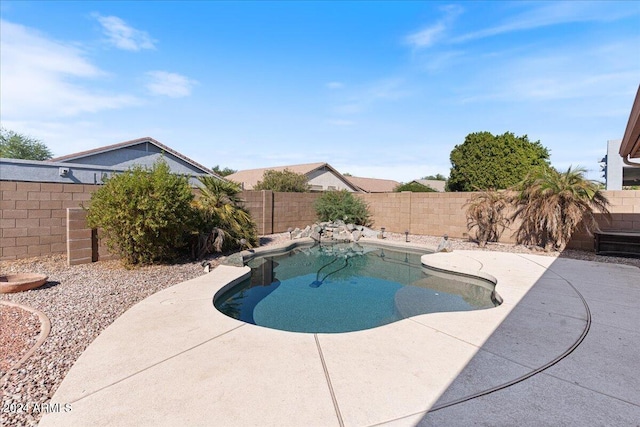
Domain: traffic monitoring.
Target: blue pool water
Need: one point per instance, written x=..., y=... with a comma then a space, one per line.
x=346, y=287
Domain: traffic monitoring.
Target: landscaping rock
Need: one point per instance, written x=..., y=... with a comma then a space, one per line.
x=445, y=245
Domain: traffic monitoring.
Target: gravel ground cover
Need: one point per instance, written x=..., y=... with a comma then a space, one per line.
x=81, y=301
x=15, y=345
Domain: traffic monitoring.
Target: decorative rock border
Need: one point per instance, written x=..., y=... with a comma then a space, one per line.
x=45, y=329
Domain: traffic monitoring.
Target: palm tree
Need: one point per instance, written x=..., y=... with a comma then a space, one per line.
x=224, y=220
x=486, y=213
x=552, y=205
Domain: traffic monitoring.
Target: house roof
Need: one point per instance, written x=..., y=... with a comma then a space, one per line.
x=433, y=183
x=131, y=143
x=374, y=185
x=250, y=177
x=630, y=146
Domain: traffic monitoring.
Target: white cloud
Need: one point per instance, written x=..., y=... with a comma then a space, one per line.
x=561, y=73
x=427, y=36
x=169, y=84
x=430, y=35
x=124, y=36
x=44, y=78
x=552, y=13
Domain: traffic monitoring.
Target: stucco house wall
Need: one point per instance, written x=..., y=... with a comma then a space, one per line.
x=143, y=154
x=324, y=179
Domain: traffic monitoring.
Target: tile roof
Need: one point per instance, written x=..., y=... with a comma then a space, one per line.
x=250, y=177
x=374, y=185
x=433, y=183
x=125, y=144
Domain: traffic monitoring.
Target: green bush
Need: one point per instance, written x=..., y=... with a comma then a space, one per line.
x=18, y=146
x=283, y=181
x=224, y=222
x=146, y=214
x=342, y=205
x=485, y=161
x=415, y=187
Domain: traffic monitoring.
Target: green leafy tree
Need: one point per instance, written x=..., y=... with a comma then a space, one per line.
x=487, y=215
x=18, y=146
x=416, y=187
x=486, y=161
x=551, y=205
x=436, y=177
x=146, y=214
x=342, y=205
x=224, y=221
x=283, y=181
x=223, y=172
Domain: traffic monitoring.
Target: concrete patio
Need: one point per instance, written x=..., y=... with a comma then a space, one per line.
x=563, y=349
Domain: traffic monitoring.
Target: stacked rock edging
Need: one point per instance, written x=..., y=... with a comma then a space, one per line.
x=335, y=231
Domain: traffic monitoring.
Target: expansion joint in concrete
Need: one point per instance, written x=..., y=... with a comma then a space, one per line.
x=328, y=378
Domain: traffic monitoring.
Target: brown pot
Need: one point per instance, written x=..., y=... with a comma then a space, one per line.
x=19, y=282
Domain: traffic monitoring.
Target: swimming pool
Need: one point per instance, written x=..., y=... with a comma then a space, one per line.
x=343, y=287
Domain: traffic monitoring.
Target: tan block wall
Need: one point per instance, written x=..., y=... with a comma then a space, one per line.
x=422, y=213
x=275, y=212
x=257, y=203
x=80, y=238
x=293, y=210
x=625, y=215
x=33, y=217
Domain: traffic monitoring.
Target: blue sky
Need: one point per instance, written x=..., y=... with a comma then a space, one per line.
x=377, y=89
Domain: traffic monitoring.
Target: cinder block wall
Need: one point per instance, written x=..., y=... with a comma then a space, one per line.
x=625, y=215
x=80, y=238
x=33, y=216
x=275, y=212
x=293, y=210
x=432, y=214
x=257, y=203
x=439, y=213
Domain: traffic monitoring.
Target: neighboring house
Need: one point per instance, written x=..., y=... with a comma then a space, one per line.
x=374, y=185
x=90, y=167
x=615, y=172
x=433, y=183
x=142, y=151
x=321, y=176
x=622, y=162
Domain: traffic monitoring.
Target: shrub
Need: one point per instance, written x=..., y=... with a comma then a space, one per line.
x=486, y=214
x=283, y=181
x=415, y=187
x=146, y=214
x=15, y=145
x=485, y=160
x=342, y=205
x=224, y=222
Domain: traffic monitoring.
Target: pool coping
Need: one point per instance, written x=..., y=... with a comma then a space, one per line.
x=310, y=379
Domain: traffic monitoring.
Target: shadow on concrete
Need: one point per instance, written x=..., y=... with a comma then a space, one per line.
x=567, y=354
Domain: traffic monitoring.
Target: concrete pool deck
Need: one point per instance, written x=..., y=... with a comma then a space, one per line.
x=565, y=343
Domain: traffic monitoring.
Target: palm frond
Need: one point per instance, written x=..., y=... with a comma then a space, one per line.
x=224, y=218
x=552, y=205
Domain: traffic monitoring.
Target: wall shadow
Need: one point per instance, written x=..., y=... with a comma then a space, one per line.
x=548, y=363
